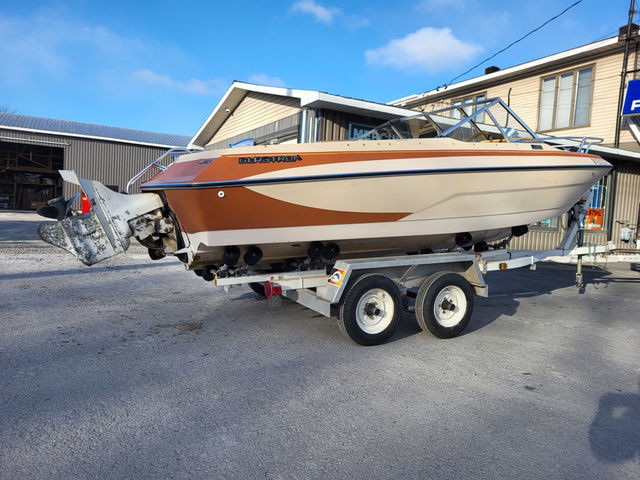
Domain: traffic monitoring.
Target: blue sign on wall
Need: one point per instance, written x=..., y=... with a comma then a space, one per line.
x=632, y=99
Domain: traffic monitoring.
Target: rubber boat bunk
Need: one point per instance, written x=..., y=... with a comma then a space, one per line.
x=331, y=224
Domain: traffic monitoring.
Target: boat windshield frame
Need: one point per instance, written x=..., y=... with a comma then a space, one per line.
x=472, y=123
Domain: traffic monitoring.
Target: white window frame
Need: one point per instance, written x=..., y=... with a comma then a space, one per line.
x=575, y=72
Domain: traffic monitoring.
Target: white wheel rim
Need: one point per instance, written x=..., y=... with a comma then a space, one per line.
x=374, y=311
x=450, y=306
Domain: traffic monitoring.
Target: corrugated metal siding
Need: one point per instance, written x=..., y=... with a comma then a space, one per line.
x=335, y=125
x=537, y=239
x=111, y=163
x=255, y=110
x=627, y=198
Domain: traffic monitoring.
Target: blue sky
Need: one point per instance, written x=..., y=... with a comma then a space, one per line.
x=163, y=65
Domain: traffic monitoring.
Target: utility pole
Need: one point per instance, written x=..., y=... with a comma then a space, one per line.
x=623, y=74
x=616, y=143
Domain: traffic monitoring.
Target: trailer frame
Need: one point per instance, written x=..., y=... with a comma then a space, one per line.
x=365, y=290
x=409, y=271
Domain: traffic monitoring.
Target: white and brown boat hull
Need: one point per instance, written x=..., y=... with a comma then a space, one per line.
x=409, y=196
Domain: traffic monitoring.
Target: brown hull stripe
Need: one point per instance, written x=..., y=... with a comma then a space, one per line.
x=241, y=208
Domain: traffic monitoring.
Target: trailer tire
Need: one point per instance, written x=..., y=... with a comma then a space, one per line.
x=371, y=310
x=444, y=304
x=258, y=288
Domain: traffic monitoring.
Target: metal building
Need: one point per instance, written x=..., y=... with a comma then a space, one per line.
x=33, y=149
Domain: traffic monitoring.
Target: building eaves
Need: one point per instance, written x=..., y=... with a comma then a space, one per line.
x=51, y=126
x=607, y=44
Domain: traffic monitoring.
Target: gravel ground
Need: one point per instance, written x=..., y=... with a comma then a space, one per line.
x=138, y=369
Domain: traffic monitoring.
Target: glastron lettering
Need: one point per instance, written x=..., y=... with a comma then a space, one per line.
x=274, y=159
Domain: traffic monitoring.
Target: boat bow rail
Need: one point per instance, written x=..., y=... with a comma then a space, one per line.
x=573, y=143
x=172, y=153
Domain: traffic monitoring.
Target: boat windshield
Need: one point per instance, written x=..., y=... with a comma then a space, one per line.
x=487, y=120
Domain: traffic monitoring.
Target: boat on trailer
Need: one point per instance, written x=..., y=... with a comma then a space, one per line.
x=460, y=178
x=429, y=182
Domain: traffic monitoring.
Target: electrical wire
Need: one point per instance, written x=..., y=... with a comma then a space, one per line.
x=513, y=43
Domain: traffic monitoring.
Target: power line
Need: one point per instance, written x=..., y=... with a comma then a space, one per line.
x=514, y=42
x=606, y=35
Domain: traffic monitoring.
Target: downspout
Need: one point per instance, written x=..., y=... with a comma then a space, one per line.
x=302, y=136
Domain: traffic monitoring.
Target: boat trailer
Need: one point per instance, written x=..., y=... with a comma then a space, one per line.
x=369, y=295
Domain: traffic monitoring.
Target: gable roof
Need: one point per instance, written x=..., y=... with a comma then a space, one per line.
x=307, y=98
x=14, y=121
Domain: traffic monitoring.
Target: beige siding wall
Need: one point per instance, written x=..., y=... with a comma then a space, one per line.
x=524, y=97
x=255, y=110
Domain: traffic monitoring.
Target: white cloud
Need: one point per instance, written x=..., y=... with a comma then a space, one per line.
x=49, y=44
x=428, y=49
x=195, y=86
x=26, y=49
x=263, y=79
x=322, y=14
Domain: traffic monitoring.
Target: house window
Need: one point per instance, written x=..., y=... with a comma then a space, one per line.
x=565, y=100
x=470, y=109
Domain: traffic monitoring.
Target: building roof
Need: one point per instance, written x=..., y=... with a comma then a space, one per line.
x=14, y=121
x=308, y=98
x=588, y=50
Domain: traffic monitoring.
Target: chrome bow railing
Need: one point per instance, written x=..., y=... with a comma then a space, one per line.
x=173, y=152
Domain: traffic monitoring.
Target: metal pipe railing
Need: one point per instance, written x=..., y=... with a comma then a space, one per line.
x=174, y=152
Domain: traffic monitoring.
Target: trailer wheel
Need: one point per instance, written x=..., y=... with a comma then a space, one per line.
x=371, y=309
x=258, y=288
x=444, y=304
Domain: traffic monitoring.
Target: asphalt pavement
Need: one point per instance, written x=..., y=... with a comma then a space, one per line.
x=139, y=369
